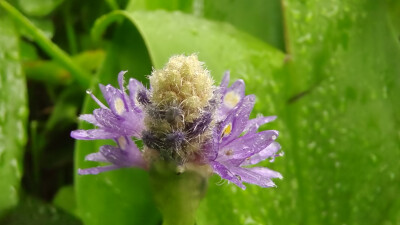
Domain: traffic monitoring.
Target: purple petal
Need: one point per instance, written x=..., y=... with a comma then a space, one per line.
x=253, y=125
x=96, y=99
x=238, y=87
x=115, y=99
x=97, y=170
x=108, y=119
x=231, y=97
x=129, y=103
x=116, y=156
x=237, y=119
x=225, y=80
x=90, y=119
x=96, y=157
x=262, y=155
x=208, y=151
x=134, y=122
x=131, y=124
x=134, y=87
x=93, y=134
x=253, y=176
x=135, y=154
x=265, y=172
x=224, y=173
x=121, y=80
x=246, y=146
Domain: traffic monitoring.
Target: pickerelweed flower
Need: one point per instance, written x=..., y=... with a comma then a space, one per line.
x=184, y=119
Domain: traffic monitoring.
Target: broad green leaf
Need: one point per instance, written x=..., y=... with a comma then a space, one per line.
x=345, y=143
x=13, y=115
x=189, y=34
x=221, y=47
x=38, y=7
x=260, y=18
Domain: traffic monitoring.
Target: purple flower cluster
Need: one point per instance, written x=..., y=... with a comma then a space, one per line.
x=234, y=145
x=236, y=142
x=121, y=122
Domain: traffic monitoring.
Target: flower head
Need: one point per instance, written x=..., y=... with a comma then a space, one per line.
x=183, y=119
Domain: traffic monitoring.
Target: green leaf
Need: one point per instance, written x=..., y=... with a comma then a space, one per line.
x=35, y=212
x=260, y=18
x=189, y=34
x=394, y=14
x=221, y=47
x=345, y=125
x=65, y=199
x=13, y=115
x=38, y=7
x=339, y=117
x=172, y=5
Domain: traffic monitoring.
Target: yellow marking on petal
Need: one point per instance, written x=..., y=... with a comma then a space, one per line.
x=231, y=99
x=122, y=142
x=227, y=130
x=273, y=137
x=119, y=106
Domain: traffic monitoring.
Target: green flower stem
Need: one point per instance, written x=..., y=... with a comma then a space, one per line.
x=53, y=50
x=177, y=196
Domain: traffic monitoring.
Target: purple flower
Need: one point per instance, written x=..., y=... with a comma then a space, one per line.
x=236, y=142
x=122, y=121
x=185, y=120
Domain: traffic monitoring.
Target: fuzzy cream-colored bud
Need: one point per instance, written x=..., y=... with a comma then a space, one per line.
x=179, y=111
x=182, y=82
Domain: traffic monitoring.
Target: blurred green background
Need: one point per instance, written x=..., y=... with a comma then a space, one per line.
x=330, y=71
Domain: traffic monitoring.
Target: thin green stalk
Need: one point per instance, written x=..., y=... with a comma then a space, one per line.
x=71, y=37
x=48, y=46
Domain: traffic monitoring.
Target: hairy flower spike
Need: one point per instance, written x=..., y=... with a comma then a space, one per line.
x=182, y=82
x=186, y=121
x=180, y=95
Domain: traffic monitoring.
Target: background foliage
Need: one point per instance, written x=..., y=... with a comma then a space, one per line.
x=328, y=69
